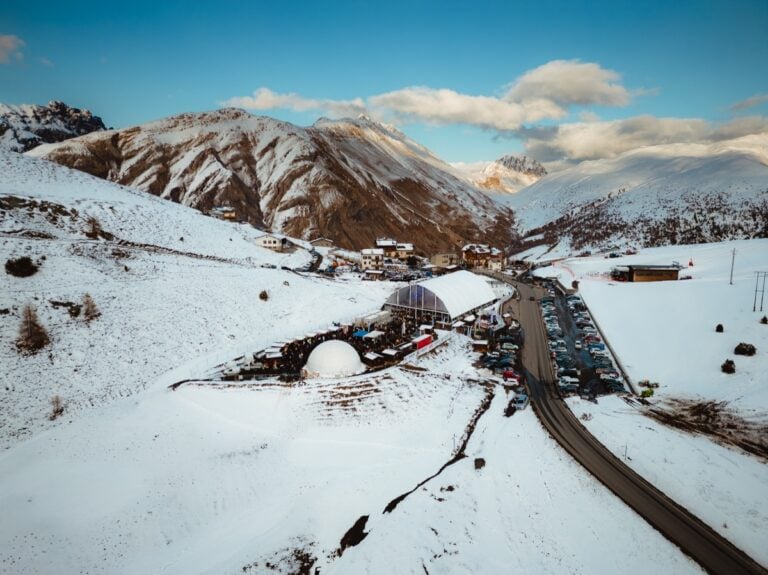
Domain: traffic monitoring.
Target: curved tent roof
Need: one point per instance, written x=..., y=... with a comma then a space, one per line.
x=333, y=358
x=454, y=294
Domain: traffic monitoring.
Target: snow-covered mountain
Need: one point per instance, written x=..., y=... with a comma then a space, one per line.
x=653, y=196
x=507, y=175
x=27, y=126
x=350, y=180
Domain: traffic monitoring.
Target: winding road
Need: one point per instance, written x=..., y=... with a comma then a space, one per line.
x=714, y=553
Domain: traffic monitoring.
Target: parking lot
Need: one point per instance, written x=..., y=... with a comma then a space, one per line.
x=582, y=361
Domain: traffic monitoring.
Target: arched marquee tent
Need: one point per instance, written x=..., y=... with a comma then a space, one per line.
x=445, y=298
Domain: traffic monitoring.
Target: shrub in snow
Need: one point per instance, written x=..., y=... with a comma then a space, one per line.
x=479, y=463
x=263, y=296
x=90, y=311
x=728, y=366
x=764, y=321
x=32, y=335
x=21, y=267
x=57, y=407
x=719, y=328
x=93, y=229
x=745, y=349
x=646, y=393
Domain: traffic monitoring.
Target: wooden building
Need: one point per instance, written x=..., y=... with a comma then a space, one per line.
x=646, y=273
x=483, y=256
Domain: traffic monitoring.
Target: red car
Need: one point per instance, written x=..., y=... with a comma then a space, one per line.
x=509, y=374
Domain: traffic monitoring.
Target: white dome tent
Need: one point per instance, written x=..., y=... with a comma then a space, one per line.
x=331, y=359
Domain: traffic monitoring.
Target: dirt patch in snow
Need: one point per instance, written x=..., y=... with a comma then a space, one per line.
x=716, y=420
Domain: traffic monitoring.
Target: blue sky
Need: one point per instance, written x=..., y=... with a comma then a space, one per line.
x=131, y=62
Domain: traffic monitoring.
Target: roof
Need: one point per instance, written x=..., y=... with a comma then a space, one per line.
x=657, y=267
x=405, y=247
x=334, y=358
x=372, y=252
x=386, y=242
x=454, y=294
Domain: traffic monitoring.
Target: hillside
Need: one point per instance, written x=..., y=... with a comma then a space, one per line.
x=27, y=126
x=654, y=196
x=348, y=180
x=172, y=285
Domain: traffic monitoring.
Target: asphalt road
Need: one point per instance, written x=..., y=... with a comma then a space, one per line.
x=714, y=553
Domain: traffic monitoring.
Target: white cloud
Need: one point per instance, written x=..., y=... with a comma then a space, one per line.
x=750, y=102
x=594, y=140
x=526, y=109
x=46, y=62
x=10, y=47
x=570, y=83
x=544, y=93
x=266, y=99
x=443, y=106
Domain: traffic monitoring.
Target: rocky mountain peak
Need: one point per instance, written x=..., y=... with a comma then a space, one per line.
x=26, y=126
x=523, y=164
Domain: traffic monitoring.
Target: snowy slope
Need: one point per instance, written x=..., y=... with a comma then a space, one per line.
x=653, y=196
x=26, y=126
x=265, y=479
x=172, y=285
x=349, y=180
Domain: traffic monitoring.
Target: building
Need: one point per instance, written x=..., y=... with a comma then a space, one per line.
x=445, y=260
x=273, y=243
x=445, y=299
x=483, y=256
x=404, y=251
x=372, y=259
x=388, y=245
x=651, y=273
x=322, y=243
x=224, y=213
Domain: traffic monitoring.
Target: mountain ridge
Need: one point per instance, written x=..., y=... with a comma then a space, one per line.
x=351, y=180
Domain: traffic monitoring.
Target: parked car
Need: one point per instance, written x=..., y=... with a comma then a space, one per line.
x=510, y=374
x=568, y=371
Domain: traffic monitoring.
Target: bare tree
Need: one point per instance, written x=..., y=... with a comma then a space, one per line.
x=32, y=335
x=90, y=311
x=93, y=230
x=57, y=407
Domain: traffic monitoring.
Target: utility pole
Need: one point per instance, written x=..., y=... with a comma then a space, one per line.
x=733, y=260
x=760, y=288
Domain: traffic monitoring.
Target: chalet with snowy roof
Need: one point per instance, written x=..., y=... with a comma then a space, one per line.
x=224, y=213
x=322, y=243
x=372, y=259
x=646, y=273
x=388, y=245
x=404, y=251
x=273, y=243
x=483, y=256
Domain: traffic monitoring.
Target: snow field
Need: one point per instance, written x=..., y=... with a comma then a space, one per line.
x=207, y=480
x=725, y=488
